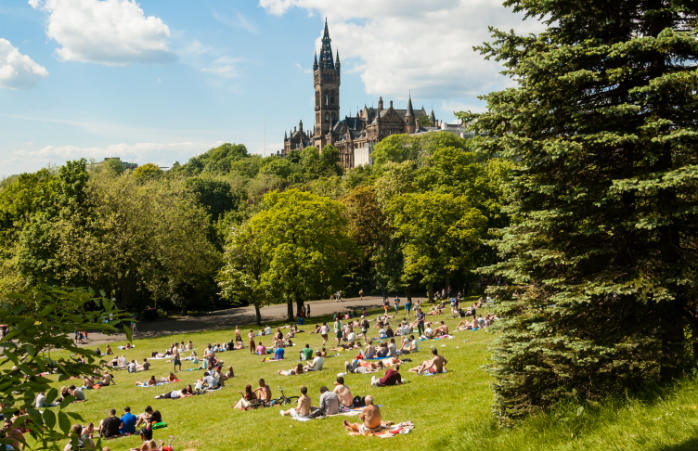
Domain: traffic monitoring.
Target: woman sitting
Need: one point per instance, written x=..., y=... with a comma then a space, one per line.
x=248, y=401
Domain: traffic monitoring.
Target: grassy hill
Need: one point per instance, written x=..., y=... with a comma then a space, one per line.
x=450, y=411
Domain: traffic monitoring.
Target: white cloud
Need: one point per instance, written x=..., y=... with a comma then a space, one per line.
x=112, y=32
x=224, y=67
x=238, y=21
x=425, y=47
x=18, y=70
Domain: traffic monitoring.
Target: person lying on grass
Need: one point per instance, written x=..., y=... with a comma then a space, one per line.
x=176, y=394
x=468, y=325
x=293, y=371
x=343, y=392
x=437, y=364
x=362, y=367
x=303, y=407
x=370, y=418
x=149, y=383
x=391, y=377
x=229, y=374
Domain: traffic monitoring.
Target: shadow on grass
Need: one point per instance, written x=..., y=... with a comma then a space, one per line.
x=687, y=445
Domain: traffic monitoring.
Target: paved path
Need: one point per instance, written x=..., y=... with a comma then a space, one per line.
x=229, y=318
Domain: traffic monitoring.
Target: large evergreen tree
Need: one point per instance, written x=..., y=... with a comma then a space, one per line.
x=600, y=262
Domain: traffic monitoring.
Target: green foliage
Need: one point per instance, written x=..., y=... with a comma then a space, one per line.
x=39, y=341
x=218, y=160
x=600, y=259
x=440, y=236
x=295, y=248
x=401, y=147
x=147, y=172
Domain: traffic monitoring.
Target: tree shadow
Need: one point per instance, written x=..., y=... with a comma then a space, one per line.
x=690, y=444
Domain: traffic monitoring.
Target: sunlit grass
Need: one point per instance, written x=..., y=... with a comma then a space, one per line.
x=451, y=411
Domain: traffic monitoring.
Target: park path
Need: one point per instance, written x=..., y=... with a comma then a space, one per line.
x=229, y=318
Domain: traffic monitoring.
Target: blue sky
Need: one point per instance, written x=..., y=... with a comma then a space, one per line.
x=163, y=80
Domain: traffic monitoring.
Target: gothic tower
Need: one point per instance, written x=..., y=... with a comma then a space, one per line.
x=326, y=80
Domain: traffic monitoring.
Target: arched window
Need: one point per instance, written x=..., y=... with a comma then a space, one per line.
x=327, y=117
x=327, y=99
x=332, y=99
x=317, y=97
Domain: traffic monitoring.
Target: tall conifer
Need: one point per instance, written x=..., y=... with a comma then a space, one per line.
x=600, y=263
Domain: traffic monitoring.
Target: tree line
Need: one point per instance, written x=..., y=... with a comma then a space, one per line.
x=229, y=228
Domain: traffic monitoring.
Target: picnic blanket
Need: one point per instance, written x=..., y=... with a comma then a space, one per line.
x=427, y=373
x=387, y=430
x=343, y=411
x=441, y=337
x=145, y=385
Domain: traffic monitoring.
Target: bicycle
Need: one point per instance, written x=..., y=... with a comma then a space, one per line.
x=283, y=399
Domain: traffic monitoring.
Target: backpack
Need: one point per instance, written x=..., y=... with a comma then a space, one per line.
x=359, y=401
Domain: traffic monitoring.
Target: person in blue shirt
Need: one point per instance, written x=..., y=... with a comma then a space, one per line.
x=279, y=353
x=128, y=422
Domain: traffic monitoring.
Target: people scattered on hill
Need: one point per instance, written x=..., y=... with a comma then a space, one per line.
x=303, y=407
x=437, y=364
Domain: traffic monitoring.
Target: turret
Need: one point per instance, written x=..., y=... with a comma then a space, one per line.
x=336, y=64
x=380, y=103
x=410, y=123
x=315, y=61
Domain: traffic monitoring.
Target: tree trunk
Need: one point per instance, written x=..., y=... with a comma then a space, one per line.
x=257, y=314
x=289, y=309
x=300, y=308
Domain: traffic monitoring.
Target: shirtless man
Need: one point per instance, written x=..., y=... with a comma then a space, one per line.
x=434, y=365
x=263, y=392
x=370, y=416
x=343, y=392
x=442, y=329
x=303, y=408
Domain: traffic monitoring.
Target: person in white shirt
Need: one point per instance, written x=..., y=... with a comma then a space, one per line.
x=40, y=401
x=317, y=363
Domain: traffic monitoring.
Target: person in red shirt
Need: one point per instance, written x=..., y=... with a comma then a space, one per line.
x=391, y=377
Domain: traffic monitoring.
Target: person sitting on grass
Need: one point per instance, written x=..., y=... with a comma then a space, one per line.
x=428, y=333
x=293, y=371
x=343, y=392
x=369, y=352
x=172, y=378
x=391, y=377
x=76, y=393
x=263, y=392
x=382, y=351
x=441, y=330
x=248, y=401
x=370, y=418
x=279, y=353
x=306, y=353
x=80, y=441
x=261, y=349
x=392, y=348
x=107, y=380
x=303, y=408
x=109, y=427
x=437, y=364
x=329, y=404
x=128, y=422
x=146, y=431
x=316, y=364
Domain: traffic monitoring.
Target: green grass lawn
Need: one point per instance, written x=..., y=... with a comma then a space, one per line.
x=450, y=411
